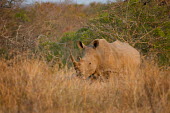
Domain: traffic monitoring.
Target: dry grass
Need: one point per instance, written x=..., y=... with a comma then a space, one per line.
x=31, y=86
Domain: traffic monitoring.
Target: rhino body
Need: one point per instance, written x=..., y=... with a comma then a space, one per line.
x=102, y=58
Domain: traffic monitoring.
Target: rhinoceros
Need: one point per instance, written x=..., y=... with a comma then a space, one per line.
x=101, y=57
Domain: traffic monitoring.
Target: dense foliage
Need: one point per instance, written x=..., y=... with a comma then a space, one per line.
x=52, y=29
x=146, y=27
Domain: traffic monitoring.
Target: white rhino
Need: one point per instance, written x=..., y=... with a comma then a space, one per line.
x=102, y=58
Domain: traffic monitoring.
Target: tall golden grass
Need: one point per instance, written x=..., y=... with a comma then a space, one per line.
x=32, y=86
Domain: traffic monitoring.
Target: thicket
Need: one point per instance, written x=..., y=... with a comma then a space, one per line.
x=50, y=30
x=144, y=26
x=24, y=28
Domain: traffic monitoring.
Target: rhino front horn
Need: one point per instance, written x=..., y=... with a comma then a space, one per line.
x=73, y=60
x=79, y=58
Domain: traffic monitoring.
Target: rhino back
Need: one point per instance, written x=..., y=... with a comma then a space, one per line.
x=128, y=56
x=107, y=56
x=117, y=55
x=125, y=51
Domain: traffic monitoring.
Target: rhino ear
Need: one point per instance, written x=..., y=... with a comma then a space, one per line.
x=80, y=45
x=96, y=43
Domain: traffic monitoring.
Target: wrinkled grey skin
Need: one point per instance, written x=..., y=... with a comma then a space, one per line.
x=102, y=58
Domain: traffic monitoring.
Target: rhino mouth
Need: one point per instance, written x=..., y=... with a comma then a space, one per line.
x=78, y=72
x=92, y=76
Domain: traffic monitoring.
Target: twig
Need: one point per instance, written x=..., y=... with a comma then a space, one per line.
x=149, y=97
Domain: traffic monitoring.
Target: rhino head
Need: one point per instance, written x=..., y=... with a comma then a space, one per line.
x=87, y=65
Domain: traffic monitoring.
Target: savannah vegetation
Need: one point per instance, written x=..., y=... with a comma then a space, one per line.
x=36, y=70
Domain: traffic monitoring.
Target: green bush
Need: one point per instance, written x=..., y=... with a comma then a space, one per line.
x=22, y=15
x=145, y=27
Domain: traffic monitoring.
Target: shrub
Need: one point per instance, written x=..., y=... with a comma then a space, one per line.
x=145, y=27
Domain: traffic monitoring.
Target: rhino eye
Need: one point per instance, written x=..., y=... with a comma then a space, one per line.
x=90, y=63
